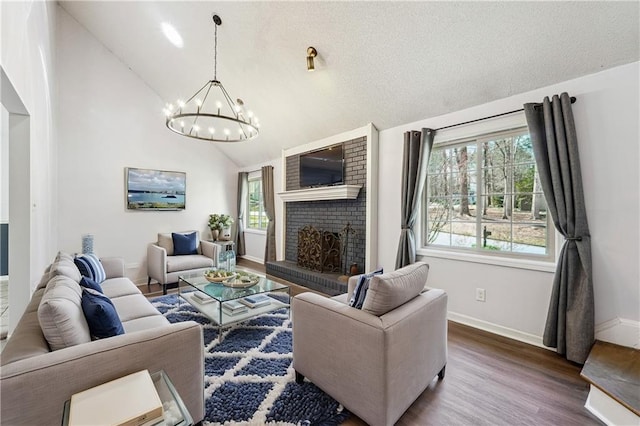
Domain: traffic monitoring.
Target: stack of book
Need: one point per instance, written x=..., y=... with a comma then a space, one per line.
x=233, y=307
x=256, y=300
x=131, y=400
x=202, y=298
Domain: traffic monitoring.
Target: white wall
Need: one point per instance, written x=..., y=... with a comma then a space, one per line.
x=27, y=37
x=256, y=241
x=110, y=119
x=606, y=115
x=4, y=165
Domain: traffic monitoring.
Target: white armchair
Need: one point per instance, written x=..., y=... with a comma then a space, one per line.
x=165, y=267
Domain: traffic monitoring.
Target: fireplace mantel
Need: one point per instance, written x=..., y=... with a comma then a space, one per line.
x=337, y=192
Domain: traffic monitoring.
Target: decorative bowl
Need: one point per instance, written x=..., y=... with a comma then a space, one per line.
x=241, y=282
x=219, y=279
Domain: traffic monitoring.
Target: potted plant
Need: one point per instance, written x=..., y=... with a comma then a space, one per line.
x=220, y=224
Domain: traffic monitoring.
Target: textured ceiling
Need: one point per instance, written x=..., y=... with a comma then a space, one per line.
x=388, y=63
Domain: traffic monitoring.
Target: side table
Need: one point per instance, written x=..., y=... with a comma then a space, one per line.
x=175, y=412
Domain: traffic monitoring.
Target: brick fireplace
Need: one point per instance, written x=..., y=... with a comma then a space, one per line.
x=329, y=217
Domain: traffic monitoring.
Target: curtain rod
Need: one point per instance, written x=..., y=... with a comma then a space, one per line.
x=573, y=100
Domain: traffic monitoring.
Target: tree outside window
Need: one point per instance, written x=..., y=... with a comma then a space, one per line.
x=256, y=217
x=484, y=195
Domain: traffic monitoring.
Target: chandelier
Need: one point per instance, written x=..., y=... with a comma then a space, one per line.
x=210, y=114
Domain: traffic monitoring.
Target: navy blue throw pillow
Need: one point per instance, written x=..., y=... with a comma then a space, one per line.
x=360, y=292
x=184, y=244
x=100, y=314
x=89, y=283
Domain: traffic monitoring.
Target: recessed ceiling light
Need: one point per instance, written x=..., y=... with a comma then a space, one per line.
x=172, y=35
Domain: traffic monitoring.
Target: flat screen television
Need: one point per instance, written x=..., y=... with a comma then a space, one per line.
x=155, y=189
x=324, y=167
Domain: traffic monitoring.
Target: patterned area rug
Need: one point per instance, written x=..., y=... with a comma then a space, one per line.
x=249, y=379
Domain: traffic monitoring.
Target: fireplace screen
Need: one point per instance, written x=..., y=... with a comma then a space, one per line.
x=318, y=250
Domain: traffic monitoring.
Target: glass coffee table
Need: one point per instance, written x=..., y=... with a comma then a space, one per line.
x=214, y=300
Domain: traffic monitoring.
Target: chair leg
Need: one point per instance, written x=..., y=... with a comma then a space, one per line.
x=441, y=373
x=299, y=378
x=164, y=289
x=149, y=284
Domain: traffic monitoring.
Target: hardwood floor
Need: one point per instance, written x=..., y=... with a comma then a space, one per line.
x=493, y=380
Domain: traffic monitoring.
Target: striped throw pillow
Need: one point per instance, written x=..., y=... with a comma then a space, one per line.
x=360, y=292
x=90, y=267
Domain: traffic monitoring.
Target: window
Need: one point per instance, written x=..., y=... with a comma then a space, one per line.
x=257, y=218
x=484, y=195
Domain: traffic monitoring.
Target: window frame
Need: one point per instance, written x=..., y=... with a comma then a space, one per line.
x=255, y=178
x=477, y=133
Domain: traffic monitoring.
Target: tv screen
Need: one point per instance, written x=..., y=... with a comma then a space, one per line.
x=155, y=189
x=323, y=167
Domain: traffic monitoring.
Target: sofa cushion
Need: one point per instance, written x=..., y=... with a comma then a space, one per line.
x=360, y=291
x=185, y=263
x=100, y=314
x=65, y=267
x=44, y=280
x=145, y=323
x=184, y=244
x=89, y=283
x=133, y=306
x=89, y=266
x=388, y=291
x=117, y=287
x=60, y=314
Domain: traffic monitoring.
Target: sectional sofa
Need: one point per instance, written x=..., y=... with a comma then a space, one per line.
x=35, y=381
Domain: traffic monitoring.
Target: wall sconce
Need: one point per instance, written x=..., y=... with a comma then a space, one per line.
x=311, y=53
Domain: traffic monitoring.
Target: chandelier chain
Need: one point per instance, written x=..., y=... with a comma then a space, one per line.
x=215, y=53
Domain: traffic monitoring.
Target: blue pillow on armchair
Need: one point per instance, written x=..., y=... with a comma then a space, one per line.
x=184, y=244
x=101, y=315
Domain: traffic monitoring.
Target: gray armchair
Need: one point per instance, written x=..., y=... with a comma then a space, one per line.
x=164, y=267
x=375, y=366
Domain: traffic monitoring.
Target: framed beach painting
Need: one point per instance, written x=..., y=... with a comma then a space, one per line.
x=148, y=189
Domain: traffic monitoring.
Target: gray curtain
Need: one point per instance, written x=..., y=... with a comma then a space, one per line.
x=417, y=150
x=243, y=191
x=270, y=210
x=570, y=320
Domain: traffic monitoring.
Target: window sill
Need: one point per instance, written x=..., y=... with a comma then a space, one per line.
x=533, y=265
x=255, y=231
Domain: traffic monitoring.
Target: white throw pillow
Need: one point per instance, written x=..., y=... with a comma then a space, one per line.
x=388, y=291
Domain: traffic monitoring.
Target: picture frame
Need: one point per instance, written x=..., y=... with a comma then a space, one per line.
x=153, y=190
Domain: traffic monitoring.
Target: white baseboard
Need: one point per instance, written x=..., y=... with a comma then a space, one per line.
x=497, y=329
x=620, y=331
x=608, y=410
x=253, y=259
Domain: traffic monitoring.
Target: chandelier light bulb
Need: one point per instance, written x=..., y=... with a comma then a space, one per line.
x=250, y=114
x=182, y=124
x=181, y=104
x=196, y=127
x=226, y=132
x=198, y=102
x=212, y=130
x=218, y=104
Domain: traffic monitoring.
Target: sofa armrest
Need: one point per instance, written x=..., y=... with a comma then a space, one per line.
x=210, y=250
x=113, y=266
x=157, y=263
x=52, y=378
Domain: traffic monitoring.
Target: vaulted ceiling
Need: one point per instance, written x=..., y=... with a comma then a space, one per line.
x=388, y=63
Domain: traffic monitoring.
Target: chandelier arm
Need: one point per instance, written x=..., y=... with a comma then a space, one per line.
x=198, y=92
x=229, y=101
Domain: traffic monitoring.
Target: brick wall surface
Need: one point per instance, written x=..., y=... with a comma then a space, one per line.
x=331, y=215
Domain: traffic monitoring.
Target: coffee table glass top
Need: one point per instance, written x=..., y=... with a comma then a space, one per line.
x=222, y=293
